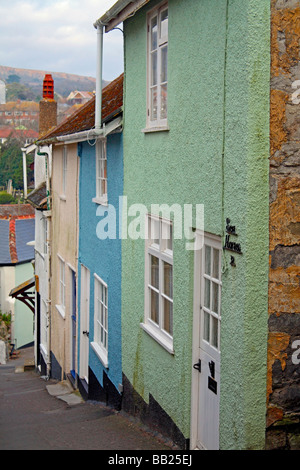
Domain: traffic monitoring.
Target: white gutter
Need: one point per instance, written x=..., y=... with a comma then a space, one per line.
x=91, y=134
x=98, y=104
x=119, y=12
x=112, y=12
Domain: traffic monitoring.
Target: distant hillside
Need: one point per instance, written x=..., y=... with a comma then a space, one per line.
x=64, y=83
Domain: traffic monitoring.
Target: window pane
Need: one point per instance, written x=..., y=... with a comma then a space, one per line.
x=154, y=33
x=154, y=103
x=164, y=24
x=214, y=332
x=154, y=306
x=154, y=230
x=163, y=104
x=104, y=318
x=215, y=272
x=207, y=293
x=207, y=259
x=154, y=68
x=168, y=316
x=170, y=238
x=154, y=279
x=101, y=314
x=168, y=280
x=167, y=236
x=103, y=187
x=206, y=327
x=164, y=64
x=105, y=297
x=215, y=297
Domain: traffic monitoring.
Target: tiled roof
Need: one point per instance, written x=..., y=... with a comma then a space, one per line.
x=84, y=118
x=24, y=229
x=4, y=242
x=15, y=210
x=38, y=197
x=15, y=232
x=6, y=132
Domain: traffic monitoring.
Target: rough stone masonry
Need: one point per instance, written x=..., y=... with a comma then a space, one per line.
x=283, y=387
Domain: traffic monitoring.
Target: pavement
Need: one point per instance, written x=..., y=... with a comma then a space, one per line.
x=39, y=414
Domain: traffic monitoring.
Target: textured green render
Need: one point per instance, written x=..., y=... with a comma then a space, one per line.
x=216, y=154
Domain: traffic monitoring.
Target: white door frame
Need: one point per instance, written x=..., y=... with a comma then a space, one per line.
x=197, y=334
x=84, y=322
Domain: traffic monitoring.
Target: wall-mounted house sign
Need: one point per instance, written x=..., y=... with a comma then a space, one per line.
x=229, y=244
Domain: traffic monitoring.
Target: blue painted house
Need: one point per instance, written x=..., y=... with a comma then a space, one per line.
x=99, y=263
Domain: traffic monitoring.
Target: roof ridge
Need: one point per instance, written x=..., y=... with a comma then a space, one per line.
x=12, y=241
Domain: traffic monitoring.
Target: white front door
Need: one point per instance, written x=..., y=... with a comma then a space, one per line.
x=84, y=322
x=206, y=346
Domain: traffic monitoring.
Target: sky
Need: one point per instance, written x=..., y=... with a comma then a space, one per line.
x=58, y=36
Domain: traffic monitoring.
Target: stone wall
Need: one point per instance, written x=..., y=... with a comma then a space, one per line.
x=283, y=390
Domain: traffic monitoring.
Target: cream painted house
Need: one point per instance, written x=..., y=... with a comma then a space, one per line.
x=64, y=190
x=55, y=198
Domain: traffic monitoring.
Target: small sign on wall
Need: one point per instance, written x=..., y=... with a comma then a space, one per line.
x=229, y=244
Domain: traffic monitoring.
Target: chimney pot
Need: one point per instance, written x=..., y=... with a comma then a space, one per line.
x=48, y=87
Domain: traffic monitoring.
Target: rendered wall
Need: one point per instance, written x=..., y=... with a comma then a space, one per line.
x=216, y=154
x=64, y=244
x=102, y=257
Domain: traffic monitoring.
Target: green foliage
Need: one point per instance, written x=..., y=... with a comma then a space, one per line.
x=16, y=91
x=6, y=318
x=13, y=78
x=11, y=164
x=6, y=198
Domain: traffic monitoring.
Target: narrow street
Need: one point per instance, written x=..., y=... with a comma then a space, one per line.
x=31, y=418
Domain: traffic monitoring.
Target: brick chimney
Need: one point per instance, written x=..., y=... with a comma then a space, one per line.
x=48, y=106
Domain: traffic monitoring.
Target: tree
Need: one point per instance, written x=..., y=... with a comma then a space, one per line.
x=16, y=91
x=13, y=78
x=11, y=164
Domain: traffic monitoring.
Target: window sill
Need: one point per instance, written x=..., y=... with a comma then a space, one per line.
x=100, y=201
x=147, y=130
x=61, y=310
x=164, y=341
x=102, y=355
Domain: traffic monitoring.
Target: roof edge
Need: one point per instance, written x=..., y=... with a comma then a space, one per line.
x=118, y=13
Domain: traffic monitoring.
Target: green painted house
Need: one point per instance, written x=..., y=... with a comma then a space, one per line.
x=195, y=212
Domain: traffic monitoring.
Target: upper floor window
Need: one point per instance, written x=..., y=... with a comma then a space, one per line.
x=157, y=78
x=101, y=172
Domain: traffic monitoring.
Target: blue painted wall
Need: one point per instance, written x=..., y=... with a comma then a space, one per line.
x=102, y=257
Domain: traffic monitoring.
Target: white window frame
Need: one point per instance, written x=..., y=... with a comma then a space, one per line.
x=101, y=172
x=164, y=255
x=64, y=170
x=61, y=307
x=160, y=123
x=100, y=343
